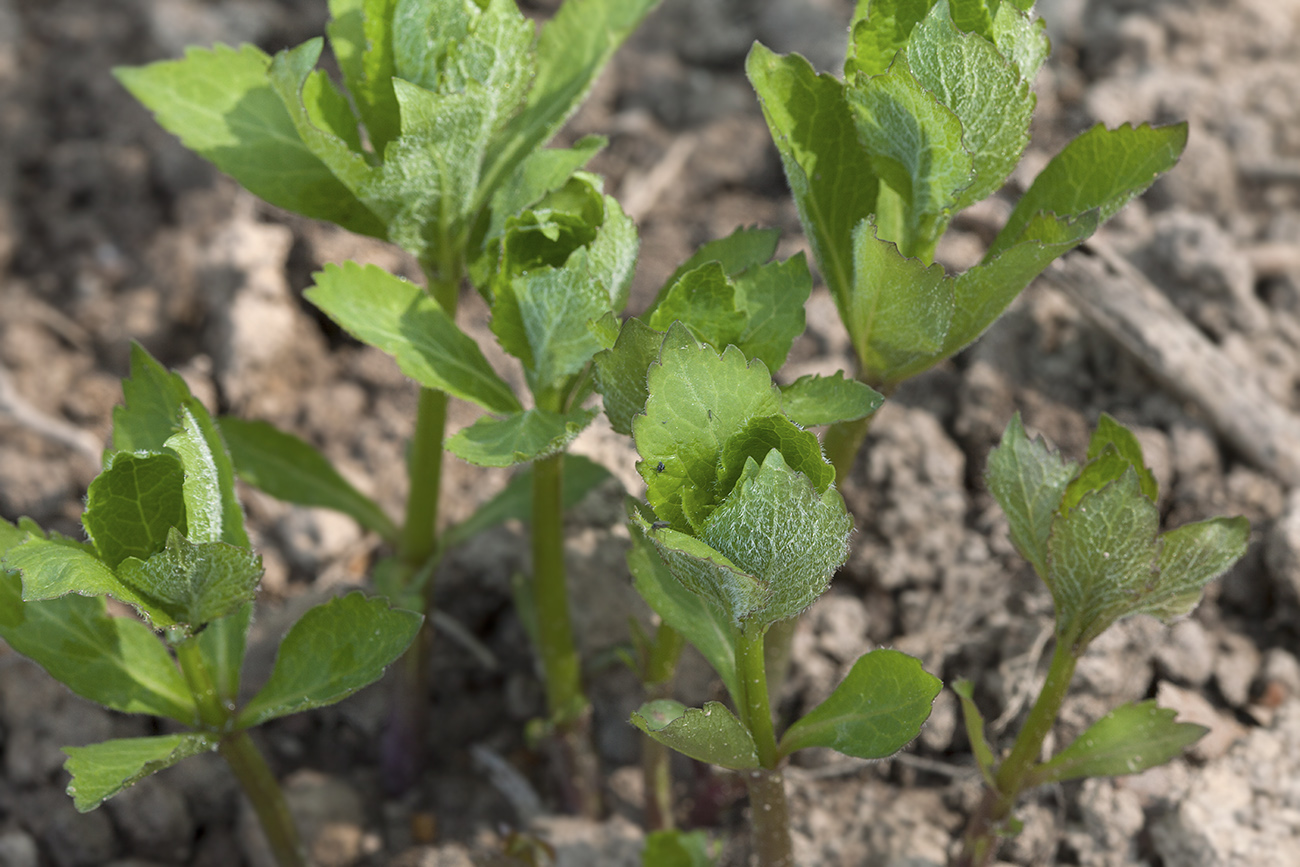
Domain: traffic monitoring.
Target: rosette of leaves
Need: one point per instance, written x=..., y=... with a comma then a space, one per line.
x=932, y=115
x=1092, y=533
x=166, y=537
x=746, y=529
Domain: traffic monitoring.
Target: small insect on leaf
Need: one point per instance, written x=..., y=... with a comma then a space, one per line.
x=659, y=525
x=659, y=468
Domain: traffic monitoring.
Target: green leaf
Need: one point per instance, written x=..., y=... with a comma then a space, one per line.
x=221, y=105
x=772, y=297
x=1021, y=39
x=874, y=712
x=799, y=449
x=581, y=476
x=361, y=36
x=1028, y=480
x=899, y=310
x=100, y=771
x=1127, y=740
x=212, y=510
x=703, y=300
x=677, y=849
x=192, y=584
x=152, y=411
x=401, y=319
x=710, y=734
x=541, y=172
x=743, y=249
x=697, y=401
x=1192, y=556
x=620, y=371
x=828, y=170
x=985, y=91
x=444, y=45
x=917, y=151
x=704, y=625
x=290, y=469
x=334, y=650
x=133, y=503
x=115, y=661
x=515, y=439
x=1101, y=169
x=979, y=743
x=879, y=30
x=1111, y=434
x=222, y=645
x=813, y=400
x=57, y=566
x=572, y=49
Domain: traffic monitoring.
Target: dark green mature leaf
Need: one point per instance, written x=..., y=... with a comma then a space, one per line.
x=704, y=625
x=334, y=650
x=813, y=400
x=898, y=311
x=581, y=476
x=1101, y=169
x=1028, y=480
x=290, y=469
x=152, y=410
x=518, y=438
x=133, y=503
x=874, y=712
x=1192, y=556
x=1127, y=740
x=799, y=449
x=979, y=743
x=985, y=91
x=916, y=149
x=779, y=529
x=678, y=849
x=620, y=371
x=100, y=771
x=828, y=169
x=221, y=105
x=192, y=584
x=212, y=509
x=710, y=734
x=404, y=321
x=698, y=400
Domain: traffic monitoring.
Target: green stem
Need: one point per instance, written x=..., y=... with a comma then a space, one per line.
x=656, y=758
x=981, y=833
x=264, y=793
x=842, y=443
x=767, y=803
x=213, y=715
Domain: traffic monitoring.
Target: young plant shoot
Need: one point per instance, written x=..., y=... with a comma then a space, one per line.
x=932, y=116
x=743, y=529
x=438, y=145
x=166, y=537
x=1091, y=533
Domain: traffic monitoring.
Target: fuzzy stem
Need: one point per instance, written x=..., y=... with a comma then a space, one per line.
x=750, y=664
x=264, y=793
x=981, y=833
x=767, y=803
x=771, y=817
x=656, y=765
x=213, y=716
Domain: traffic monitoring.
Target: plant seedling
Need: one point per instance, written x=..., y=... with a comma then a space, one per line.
x=1091, y=533
x=438, y=146
x=744, y=528
x=932, y=116
x=166, y=537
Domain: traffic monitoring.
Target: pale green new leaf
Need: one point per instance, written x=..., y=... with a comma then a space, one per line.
x=542, y=171
x=799, y=448
x=738, y=252
x=1021, y=39
x=710, y=734
x=875, y=711
x=132, y=504
x=400, y=318
x=704, y=625
x=828, y=169
x=334, y=650
x=191, y=584
x=221, y=105
x=212, y=509
x=813, y=400
x=772, y=297
x=290, y=469
x=152, y=405
x=974, y=720
x=879, y=30
x=704, y=300
x=115, y=661
x=777, y=527
x=100, y=771
x=972, y=16
x=1101, y=169
x=698, y=400
x=1028, y=480
x=518, y=438
x=985, y=91
x=361, y=37
x=1111, y=434
x=58, y=566
x=706, y=572
x=916, y=149
x=898, y=311
x=1128, y=740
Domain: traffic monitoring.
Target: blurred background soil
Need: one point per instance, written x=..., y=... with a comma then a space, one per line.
x=111, y=232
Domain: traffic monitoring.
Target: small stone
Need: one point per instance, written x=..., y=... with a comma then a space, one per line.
x=1192, y=707
x=327, y=812
x=18, y=849
x=839, y=622
x=154, y=821
x=72, y=839
x=1187, y=655
x=1235, y=669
